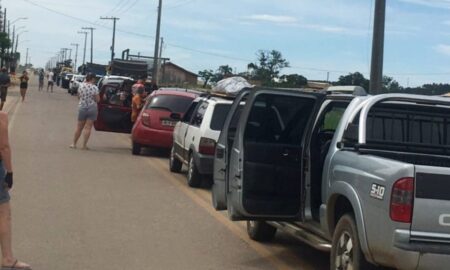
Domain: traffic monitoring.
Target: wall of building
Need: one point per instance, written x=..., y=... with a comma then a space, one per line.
x=175, y=76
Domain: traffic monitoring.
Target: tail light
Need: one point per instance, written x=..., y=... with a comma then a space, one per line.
x=145, y=119
x=402, y=200
x=207, y=146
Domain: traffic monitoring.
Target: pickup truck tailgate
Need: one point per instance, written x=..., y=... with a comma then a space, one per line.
x=431, y=214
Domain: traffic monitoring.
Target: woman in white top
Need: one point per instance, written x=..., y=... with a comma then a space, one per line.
x=88, y=96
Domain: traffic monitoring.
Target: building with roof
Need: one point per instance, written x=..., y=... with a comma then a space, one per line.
x=172, y=74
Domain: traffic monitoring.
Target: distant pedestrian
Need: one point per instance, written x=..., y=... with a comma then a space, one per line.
x=135, y=87
x=88, y=95
x=5, y=82
x=50, y=80
x=41, y=80
x=6, y=179
x=137, y=103
x=24, y=84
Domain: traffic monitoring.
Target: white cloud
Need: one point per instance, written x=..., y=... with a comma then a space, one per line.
x=430, y=3
x=443, y=49
x=272, y=18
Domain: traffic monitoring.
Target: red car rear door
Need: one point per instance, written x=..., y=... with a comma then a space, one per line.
x=114, y=110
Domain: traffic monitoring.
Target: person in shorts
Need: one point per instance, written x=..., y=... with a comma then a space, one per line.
x=6, y=183
x=41, y=80
x=88, y=96
x=50, y=80
x=24, y=84
x=5, y=82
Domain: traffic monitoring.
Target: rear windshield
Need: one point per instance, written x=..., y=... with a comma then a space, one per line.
x=170, y=103
x=415, y=128
x=219, y=115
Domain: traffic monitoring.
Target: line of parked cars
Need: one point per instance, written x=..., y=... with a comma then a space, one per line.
x=366, y=178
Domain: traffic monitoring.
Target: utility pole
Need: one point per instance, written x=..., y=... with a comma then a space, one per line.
x=26, y=59
x=155, y=59
x=376, y=70
x=76, y=56
x=114, y=19
x=92, y=40
x=159, y=58
x=85, y=41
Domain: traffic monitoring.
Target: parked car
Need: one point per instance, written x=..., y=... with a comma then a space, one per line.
x=367, y=177
x=195, y=138
x=65, y=80
x=155, y=123
x=75, y=83
x=112, y=79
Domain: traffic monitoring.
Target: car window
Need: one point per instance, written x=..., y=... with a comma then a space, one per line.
x=178, y=104
x=332, y=116
x=188, y=115
x=219, y=115
x=278, y=118
x=199, y=114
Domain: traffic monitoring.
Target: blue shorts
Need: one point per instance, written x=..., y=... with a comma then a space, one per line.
x=4, y=194
x=87, y=113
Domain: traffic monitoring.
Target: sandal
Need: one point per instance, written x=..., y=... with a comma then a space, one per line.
x=15, y=267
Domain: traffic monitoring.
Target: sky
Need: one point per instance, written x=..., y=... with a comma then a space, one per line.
x=319, y=38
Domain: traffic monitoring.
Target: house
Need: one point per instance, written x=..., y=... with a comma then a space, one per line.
x=172, y=74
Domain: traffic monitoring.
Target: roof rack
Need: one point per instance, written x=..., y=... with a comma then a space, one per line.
x=200, y=93
x=346, y=89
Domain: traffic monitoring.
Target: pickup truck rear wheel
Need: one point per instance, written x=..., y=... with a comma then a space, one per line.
x=136, y=148
x=174, y=164
x=346, y=253
x=260, y=231
x=194, y=178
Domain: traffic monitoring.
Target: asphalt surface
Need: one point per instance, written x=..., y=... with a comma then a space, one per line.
x=107, y=209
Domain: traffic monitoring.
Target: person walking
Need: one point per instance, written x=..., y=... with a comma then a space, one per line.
x=50, y=80
x=5, y=82
x=24, y=84
x=137, y=103
x=88, y=96
x=41, y=80
x=6, y=178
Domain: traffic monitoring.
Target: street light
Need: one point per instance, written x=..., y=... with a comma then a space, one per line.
x=24, y=31
x=20, y=18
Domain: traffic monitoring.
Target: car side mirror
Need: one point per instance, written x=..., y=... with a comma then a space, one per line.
x=175, y=116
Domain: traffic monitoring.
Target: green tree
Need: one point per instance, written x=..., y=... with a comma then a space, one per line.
x=206, y=75
x=356, y=79
x=292, y=81
x=390, y=85
x=268, y=66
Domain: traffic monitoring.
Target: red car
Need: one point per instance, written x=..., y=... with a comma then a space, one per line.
x=154, y=125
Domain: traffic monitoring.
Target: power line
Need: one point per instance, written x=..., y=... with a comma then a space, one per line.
x=130, y=7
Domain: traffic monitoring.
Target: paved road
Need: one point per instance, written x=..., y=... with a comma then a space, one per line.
x=107, y=209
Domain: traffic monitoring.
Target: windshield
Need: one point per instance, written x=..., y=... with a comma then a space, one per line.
x=177, y=104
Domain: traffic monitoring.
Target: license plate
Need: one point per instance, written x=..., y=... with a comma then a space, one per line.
x=168, y=123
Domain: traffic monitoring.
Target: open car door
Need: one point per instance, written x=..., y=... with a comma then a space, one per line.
x=114, y=110
x=266, y=165
x=219, y=188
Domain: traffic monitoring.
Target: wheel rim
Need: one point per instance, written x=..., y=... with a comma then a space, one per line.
x=344, y=254
x=191, y=169
x=171, y=157
x=251, y=223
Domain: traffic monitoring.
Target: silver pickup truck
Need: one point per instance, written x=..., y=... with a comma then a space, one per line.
x=366, y=178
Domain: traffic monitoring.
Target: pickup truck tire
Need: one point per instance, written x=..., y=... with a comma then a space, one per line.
x=260, y=231
x=175, y=165
x=136, y=148
x=346, y=250
x=194, y=178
